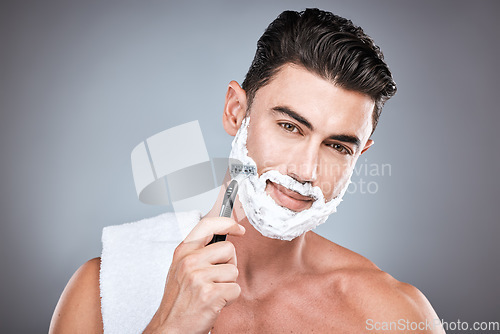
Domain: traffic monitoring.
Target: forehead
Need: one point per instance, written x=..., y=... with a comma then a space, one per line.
x=327, y=106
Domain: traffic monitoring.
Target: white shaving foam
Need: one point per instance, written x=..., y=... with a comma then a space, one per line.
x=269, y=218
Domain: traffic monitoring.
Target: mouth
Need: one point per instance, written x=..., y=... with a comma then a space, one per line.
x=288, y=198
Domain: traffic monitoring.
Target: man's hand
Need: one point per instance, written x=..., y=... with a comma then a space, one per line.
x=201, y=280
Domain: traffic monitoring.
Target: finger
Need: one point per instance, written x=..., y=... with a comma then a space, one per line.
x=204, y=231
x=228, y=291
x=219, y=253
x=221, y=273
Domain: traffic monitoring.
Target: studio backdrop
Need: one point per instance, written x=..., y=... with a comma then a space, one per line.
x=83, y=83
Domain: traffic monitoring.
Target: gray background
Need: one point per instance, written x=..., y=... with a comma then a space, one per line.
x=82, y=83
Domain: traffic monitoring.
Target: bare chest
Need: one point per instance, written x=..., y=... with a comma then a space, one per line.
x=292, y=310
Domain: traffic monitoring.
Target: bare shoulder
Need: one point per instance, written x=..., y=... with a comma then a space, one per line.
x=391, y=305
x=79, y=307
x=384, y=296
x=374, y=294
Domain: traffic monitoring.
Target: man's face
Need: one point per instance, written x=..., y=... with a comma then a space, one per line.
x=310, y=129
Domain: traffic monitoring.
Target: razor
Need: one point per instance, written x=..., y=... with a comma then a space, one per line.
x=238, y=173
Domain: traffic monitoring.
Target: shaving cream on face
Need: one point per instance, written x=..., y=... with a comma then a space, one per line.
x=269, y=218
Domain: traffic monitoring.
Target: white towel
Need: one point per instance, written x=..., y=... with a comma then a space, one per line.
x=135, y=261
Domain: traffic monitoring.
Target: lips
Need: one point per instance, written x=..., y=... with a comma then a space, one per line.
x=288, y=198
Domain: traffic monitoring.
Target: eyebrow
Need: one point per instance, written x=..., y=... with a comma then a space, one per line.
x=346, y=139
x=341, y=137
x=289, y=112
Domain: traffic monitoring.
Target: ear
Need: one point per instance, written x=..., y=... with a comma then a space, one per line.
x=235, y=108
x=368, y=144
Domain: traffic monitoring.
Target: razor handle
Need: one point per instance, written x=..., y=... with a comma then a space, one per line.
x=227, y=207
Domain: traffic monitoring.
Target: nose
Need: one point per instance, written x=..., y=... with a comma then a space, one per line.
x=304, y=166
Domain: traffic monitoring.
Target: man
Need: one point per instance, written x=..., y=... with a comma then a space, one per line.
x=303, y=116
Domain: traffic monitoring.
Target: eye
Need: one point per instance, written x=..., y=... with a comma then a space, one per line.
x=289, y=127
x=340, y=148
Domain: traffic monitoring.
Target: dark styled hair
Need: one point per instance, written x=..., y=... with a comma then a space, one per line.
x=326, y=44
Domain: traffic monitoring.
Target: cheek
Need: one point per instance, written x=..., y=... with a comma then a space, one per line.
x=332, y=177
x=263, y=148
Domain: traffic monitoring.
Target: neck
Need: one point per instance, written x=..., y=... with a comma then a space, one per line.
x=261, y=260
